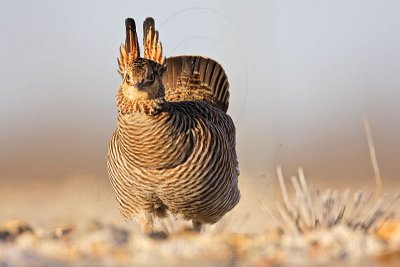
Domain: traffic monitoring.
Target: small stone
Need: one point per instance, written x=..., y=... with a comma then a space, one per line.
x=63, y=232
x=389, y=231
x=11, y=229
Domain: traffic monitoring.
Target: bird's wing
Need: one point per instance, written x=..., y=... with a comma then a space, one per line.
x=196, y=78
x=219, y=124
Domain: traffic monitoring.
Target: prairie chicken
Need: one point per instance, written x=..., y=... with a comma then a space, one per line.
x=174, y=146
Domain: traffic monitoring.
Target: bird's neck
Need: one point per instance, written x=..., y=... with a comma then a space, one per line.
x=146, y=140
x=147, y=107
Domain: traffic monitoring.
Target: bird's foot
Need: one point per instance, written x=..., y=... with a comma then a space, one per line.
x=197, y=226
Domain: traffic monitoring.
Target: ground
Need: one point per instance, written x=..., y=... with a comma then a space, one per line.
x=76, y=223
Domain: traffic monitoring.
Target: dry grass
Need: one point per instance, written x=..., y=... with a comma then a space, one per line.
x=314, y=209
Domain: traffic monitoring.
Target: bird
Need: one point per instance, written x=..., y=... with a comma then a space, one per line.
x=173, y=152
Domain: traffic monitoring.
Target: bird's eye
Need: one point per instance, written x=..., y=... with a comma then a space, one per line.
x=150, y=78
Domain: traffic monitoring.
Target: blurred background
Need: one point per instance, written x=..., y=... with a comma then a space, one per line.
x=302, y=76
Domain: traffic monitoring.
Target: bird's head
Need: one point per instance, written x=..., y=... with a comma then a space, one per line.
x=142, y=80
x=141, y=88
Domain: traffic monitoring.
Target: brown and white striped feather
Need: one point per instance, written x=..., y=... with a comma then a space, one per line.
x=130, y=50
x=152, y=44
x=196, y=78
x=183, y=160
x=177, y=153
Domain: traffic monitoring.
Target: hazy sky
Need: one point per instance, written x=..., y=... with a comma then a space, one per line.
x=302, y=75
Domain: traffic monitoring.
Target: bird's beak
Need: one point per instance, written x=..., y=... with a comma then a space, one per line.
x=136, y=86
x=135, y=91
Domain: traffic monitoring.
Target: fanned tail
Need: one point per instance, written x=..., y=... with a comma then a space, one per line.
x=196, y=78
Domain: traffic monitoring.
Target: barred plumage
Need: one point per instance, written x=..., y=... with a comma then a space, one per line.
x=174, y=147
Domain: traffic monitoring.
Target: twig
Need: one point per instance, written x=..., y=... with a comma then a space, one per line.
x=375, y=166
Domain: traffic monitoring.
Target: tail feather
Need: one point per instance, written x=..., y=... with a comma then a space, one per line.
x=196, y=78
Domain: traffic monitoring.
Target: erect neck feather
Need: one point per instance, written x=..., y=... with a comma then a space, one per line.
x=149, y=107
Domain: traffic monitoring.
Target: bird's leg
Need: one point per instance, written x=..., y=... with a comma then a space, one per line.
x=197, y=226
x=146, y=222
